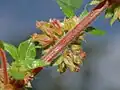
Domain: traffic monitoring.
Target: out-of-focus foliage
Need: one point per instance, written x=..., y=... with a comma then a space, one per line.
x=95, y=31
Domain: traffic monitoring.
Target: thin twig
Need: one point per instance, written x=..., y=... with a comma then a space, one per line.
x=4, y=66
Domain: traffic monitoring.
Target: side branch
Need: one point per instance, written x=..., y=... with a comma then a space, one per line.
x=4, y=66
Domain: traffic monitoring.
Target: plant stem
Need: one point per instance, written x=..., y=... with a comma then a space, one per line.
x=75, y=32
x=72, y=34
x=4, y=66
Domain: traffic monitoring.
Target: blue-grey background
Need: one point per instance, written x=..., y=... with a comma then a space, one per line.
x=101, y=67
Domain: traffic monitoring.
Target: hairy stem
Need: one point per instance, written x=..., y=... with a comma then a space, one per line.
x=72, y=34
x=75, y=32
x=4, y=66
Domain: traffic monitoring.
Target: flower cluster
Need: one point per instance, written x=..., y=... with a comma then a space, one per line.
x=52, y=32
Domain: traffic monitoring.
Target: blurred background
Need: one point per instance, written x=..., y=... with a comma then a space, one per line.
x=101, y=67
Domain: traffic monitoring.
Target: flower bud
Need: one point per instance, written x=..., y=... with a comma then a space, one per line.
x=62, y=67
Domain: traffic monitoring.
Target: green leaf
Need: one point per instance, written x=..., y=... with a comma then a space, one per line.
x=26, y=50
x=27, y=63
x=30, y=63
x=116, y=14
x=74, y=4
x=1, y=44
x=39, y=63
x=95, y=31
x=84, y=13
x=17, y=70
x=67, y=10
x=69, y=6
x=11, y=49
x=26, y=60
x=114, y=18
x=17, y=75
x=94, y=2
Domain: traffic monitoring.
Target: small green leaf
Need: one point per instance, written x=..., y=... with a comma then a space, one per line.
x=34, y=63
x=11, y=49
x=114, y=18
x=67, y=10
x=74, y=4
x=30, y=63
x=17, y=75
x=84, y=13
x=95, y=31
x=26, y=50
x=27, y=63
x=69, y=6
x=17, y=71
x=116, y=14
x=1, y=44
x=94, y=2
x=39, y=63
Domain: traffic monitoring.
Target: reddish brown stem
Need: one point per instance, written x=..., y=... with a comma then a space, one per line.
x=75, y=32
x=71, y=35
x=4, y=66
